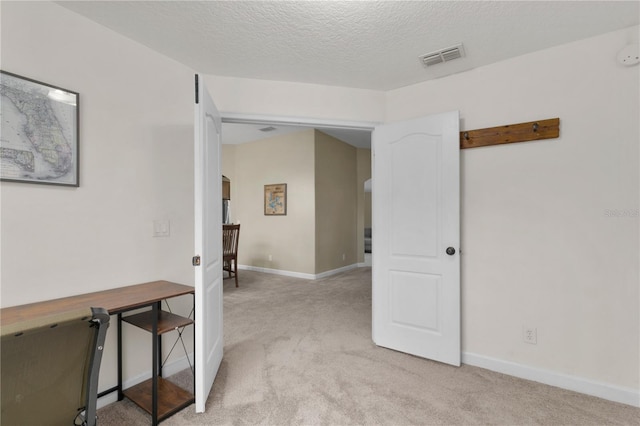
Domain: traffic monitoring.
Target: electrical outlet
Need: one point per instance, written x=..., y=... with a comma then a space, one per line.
x=161, y=228
x=344, y=256
x=270, y=258
x=530, y=335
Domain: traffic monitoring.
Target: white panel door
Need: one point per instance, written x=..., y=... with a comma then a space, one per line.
x=416, y=229
x=208, y=243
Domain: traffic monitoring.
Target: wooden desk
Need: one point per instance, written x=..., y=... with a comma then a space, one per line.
x=117, y=301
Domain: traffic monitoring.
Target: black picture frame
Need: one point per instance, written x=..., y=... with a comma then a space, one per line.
x=40, y=138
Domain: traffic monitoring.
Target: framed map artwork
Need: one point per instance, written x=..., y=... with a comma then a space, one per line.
x=39, y=133
x=275, y=199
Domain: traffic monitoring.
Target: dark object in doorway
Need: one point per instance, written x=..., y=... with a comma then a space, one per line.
x=230, y=237
x=367, y=240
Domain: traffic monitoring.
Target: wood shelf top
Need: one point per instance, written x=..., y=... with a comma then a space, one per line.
x=167, y=321
x=115, y=300
x=171, y=398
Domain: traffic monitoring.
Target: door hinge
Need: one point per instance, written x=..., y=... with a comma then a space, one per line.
x=197, y=98
x=195, y=261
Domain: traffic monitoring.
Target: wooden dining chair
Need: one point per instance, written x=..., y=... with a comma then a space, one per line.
x=230, y=236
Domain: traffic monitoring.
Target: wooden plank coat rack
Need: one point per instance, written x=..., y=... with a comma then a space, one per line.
x=511, y=133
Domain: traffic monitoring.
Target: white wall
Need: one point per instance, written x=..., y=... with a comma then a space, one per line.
x=136, y=165
x=286, y=99
x=538, y=247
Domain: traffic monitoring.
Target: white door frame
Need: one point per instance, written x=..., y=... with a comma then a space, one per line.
x=319, y=123
x=240, y=118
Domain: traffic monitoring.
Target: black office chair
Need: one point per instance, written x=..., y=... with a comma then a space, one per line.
x=50, y=367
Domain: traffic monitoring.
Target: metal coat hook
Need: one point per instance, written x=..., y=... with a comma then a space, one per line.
x=535, y=127
x=466, y=135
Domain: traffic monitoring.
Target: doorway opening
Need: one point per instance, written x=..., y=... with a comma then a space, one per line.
x=238, y=134
x=368, y=227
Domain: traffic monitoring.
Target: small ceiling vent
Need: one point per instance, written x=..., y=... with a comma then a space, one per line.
x=442, y=55
x=268, y=129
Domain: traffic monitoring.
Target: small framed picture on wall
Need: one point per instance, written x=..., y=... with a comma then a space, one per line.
x=275, y=199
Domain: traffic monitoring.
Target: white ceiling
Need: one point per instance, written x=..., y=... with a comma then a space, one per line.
x=238, y=133
x=360, y=44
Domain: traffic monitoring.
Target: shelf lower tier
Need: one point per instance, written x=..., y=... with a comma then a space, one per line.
x=167, y=321
x=171, y=398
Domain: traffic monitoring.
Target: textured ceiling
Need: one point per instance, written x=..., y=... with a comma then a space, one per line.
x=361, y=44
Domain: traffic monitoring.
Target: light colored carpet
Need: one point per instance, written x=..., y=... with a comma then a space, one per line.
x=299, y=352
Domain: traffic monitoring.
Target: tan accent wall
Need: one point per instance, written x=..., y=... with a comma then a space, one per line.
x=325, y=201
x=290, y=239
x=336, y=203
x=363, y=198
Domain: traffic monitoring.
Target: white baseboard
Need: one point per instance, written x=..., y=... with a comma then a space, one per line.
x=277, y=272
x=297, y=274
x=169, y=369
x=336, y=271
x=602, y=390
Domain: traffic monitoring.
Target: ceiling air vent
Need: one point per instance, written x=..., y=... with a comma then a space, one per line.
x=268, y=129
x=442, y=55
